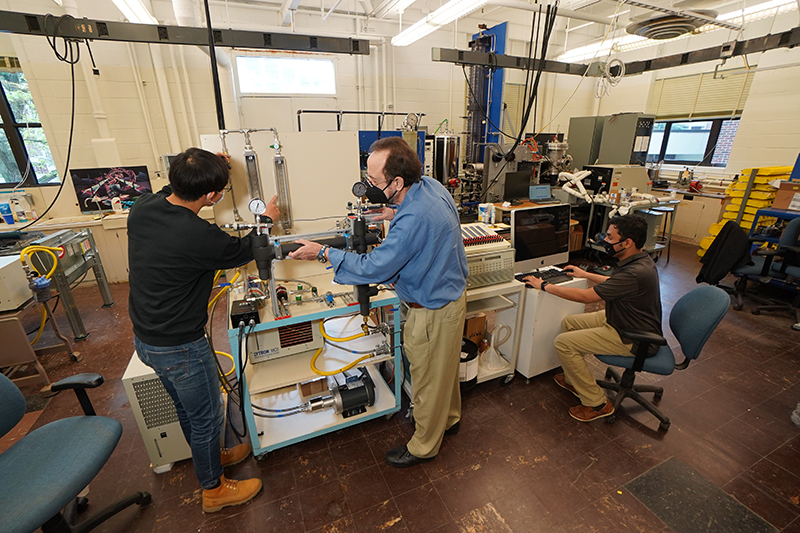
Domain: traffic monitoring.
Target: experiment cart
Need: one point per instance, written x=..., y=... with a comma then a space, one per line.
x=273, y=383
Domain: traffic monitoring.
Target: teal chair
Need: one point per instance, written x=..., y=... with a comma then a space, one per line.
x=42, y=474
x=693, y=319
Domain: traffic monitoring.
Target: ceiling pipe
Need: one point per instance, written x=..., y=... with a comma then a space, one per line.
x=185, y=16
x=567, y=13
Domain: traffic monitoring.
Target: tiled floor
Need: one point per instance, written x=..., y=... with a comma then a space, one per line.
x=520, y=463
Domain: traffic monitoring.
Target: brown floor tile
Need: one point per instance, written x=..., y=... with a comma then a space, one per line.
x=323, y=504
x=518, y=451
x=382, y=517
x=365, y=488
x=423, y=509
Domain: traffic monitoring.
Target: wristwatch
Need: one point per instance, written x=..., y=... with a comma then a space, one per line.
x=543, y=285
x=321, y=254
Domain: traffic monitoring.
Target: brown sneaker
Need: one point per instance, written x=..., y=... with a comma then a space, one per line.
x=561, y=380
x=235, y=455
x=230, y=492
x=587, y=414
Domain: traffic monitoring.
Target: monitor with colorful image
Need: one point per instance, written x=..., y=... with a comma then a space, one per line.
x=97, y=187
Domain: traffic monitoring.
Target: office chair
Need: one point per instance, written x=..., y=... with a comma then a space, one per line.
x=786, y=273
x=43, y=472
x=693, y=319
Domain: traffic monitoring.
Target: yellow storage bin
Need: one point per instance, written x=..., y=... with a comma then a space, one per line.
x=759, y=204
x=768, y=171
x=754, y=195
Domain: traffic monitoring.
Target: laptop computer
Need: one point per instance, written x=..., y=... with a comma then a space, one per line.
x=540, y=194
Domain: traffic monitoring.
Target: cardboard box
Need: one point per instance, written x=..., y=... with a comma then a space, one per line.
x=788, y=196
x=475, y=328
x=575, y=238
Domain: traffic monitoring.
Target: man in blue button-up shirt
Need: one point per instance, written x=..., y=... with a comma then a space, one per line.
x=423, y=256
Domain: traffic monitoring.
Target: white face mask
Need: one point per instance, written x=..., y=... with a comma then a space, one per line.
x=222, y=195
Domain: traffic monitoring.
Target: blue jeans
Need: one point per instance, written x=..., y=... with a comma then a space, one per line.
x=189, y=373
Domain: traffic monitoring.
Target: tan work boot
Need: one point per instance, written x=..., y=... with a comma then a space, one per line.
x=235, y=455
x=230, y=492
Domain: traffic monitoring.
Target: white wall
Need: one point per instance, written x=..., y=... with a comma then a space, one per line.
x=392, y=79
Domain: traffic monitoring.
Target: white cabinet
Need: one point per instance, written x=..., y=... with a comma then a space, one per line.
x=541, y=323
x=695, y=214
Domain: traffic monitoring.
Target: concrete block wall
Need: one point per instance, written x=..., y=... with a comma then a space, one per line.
x=408, y=81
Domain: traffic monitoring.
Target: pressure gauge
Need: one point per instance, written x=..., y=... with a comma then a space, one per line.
x=359, y=189
x=257, y=206
x=412, y=120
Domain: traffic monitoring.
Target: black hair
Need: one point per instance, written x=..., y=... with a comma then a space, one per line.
x=402, y=160
x=633, y=227
x=197, y=172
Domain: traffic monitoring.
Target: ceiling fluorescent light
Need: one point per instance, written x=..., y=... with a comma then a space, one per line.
x=135, y=11
x=391, y=8
x=413, y=33
x=452, y=10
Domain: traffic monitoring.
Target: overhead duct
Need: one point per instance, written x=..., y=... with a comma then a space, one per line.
x=658, y=26
x=673, y=23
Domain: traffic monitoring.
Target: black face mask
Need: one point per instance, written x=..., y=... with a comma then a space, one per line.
x=609, y=247
x=376, y=195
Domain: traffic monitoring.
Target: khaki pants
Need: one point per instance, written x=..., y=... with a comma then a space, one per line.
x=432, y=341
x=587, y=333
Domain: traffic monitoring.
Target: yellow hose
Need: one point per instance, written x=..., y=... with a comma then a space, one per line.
x=223, y=291
x=41, y=326
x=25, y=256
x=229, y=356
x=26, y=252
x=217, y=276
x=334, y=372
x=343, y=339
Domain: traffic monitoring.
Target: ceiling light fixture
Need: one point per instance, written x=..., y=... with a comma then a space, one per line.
x=452, y=10
x=135, y=11
x=390, y=8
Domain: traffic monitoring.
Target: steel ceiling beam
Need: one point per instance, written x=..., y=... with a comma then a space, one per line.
x=787, y=39
x=104, y=30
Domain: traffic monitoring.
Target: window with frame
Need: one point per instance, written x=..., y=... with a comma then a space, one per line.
x=270, y=75
x=24, y=155
x=705, y=142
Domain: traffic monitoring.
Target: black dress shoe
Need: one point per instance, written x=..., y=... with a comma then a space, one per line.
x=400, y=457
x=453, y=430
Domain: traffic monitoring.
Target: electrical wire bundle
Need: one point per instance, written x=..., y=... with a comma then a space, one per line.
x=532, y=76
x=71, y=55
x=607, y=79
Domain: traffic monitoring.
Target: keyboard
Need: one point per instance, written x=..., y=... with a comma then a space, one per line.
x=549, y=274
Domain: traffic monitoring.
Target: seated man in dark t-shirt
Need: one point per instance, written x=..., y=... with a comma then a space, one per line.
x=633, y=302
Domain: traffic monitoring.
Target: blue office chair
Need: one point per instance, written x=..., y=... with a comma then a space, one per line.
x=43, y=473
x=693, y=319
x=763, y=267
x=786, y=273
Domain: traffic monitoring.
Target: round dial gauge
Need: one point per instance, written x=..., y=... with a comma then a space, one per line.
x=359, y=189
x=412, y=120
x=257, y=206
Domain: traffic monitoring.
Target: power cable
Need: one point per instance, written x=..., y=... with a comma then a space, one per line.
x=71, y=56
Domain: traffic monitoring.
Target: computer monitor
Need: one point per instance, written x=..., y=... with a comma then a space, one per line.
x=540, y=236
x=96, y=187
x=517, y=186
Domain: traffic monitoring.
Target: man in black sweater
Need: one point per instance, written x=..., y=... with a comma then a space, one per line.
x=173, y=255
